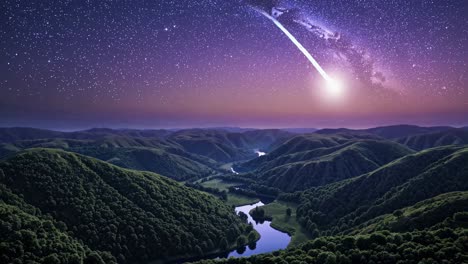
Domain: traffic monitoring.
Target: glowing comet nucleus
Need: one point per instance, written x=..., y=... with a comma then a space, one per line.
x=334, y=87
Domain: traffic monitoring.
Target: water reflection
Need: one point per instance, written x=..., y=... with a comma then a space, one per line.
x=270, y=240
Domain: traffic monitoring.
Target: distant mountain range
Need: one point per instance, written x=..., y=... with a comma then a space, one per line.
x=389, y=132
x=435, y=139
x=179, y=154
x=194, y=153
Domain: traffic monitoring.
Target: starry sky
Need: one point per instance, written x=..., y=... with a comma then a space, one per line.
x=182, y=63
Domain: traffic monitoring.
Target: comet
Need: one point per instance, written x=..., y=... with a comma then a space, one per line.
x=306, y=53
x=334, y=86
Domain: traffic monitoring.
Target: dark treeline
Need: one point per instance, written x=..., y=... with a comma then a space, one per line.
x=425, y=247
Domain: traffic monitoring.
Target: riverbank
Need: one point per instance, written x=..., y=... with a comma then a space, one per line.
x=270, y=240
x=288, y=224
x=232, y=198
x=218, y=253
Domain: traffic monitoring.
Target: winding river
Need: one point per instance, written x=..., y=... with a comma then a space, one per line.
x=270, y=240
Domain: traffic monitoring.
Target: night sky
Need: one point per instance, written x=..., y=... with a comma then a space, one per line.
x=179, y=63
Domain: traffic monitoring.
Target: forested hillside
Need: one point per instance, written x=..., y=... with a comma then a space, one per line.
x=315, y=160
x=399, y=184
x=31, y=237
x=26, y=133
x=136, y=216
x=226, y=146
x=436, y=139
x=434, y=246
x=411, y=210
x=425, y=214
x=181, y=155
x=148, y=154
x=364, y=196
x=389, y=132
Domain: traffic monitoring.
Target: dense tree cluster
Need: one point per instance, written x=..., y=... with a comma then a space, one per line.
x=162, y=157
x=414, y=178
x=222, y=194
x=27, y=236
x=431, y=247
x=314, y=160
x=136, y=216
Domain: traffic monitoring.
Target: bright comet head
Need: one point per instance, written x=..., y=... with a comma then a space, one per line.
x=334, y=88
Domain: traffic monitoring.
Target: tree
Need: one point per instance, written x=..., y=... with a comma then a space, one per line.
x=249, y=228
x=243, y=216
x=326, y=258
x=288, y=212
x=398, y=213
x=258, y=213
x=94, y=258
x=251, y=237
x=198, y=250
x=52, y=259
x=362, y=242
x=241, y=241
x=223, y=244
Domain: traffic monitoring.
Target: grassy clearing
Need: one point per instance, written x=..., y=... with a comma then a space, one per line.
x=277, y=210
x=219, y=184
x=238, y=200
x=233, y=198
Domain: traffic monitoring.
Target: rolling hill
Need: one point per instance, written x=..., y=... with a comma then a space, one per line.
x=224, y=146
x=422, y=215
x=388, y=132
x=149, y=154
x=313, y=160
x=401, y=183
x=8, y=135
x=306, y=142
x=136, y=216
x=436, y=139
x=397, y=131
x=411, y=210
x=217, y=144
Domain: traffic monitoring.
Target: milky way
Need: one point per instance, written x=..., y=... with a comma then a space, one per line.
x=199, y=63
